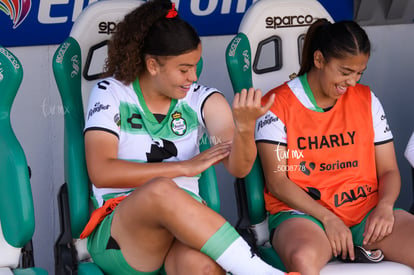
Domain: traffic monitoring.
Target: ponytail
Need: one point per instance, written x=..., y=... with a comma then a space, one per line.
x=311, y=44
x=336, y=40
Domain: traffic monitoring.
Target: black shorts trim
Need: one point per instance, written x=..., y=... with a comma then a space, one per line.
x=112, y=244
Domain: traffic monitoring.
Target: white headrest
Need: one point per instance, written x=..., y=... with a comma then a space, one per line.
x=98, y=21
x=96, y=24
x=288, y=20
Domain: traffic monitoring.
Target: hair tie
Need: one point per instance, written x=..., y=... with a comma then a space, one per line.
x=172, y=12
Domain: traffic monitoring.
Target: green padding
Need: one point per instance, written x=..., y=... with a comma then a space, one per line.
x=16, y=203
x=239, y=63
x=254, y=183
x=30, y=271
x=89, y=269
x=208, y=182
x=269, y=255
x=199, y=67
x=67, y=71
x=238, y=59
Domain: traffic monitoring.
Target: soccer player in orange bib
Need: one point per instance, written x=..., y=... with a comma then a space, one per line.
x=328, y=159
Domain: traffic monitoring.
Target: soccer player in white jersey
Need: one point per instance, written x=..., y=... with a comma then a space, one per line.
x=142, y=133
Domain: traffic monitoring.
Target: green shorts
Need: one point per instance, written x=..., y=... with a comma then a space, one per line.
x=109, y=257
x=110, y=260
x=356, y=230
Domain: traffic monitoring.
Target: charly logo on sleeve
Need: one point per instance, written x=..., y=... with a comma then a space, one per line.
x=178, y=124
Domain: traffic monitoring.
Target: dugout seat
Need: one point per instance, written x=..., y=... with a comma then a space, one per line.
x=17, y=221
x=77, y=64
x=265, y=53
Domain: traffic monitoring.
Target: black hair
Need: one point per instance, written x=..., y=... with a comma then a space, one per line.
x=336, y=40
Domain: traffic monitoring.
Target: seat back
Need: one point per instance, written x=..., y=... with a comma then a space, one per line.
x=267, y=48
x=264, y=54
x=77, y=64
x=16, y=203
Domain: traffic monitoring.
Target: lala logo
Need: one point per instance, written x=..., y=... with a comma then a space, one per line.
x=16, y=9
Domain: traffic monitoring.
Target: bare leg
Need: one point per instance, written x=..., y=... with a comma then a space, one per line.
x=398, y=245
x=146, y=222
x=302, y=245
x=183, y=260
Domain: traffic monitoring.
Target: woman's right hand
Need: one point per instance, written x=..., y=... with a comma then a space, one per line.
x=207, y=158
x=340, y=237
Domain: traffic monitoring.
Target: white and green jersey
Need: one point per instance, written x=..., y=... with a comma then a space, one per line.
x=121, y=110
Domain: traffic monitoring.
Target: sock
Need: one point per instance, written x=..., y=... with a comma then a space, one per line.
x=234, y=255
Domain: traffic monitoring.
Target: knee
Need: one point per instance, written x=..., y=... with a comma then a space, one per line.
x=160, y=185
x=208, y=268
x=161, y=190
x=203, y=266
x=306, y=257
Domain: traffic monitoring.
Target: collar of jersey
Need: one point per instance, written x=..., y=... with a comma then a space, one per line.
x=304, y=81
x=147, y=113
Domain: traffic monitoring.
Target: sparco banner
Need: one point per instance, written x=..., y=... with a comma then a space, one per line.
x=45, y=22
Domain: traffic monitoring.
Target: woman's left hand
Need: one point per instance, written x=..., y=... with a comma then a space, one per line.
x=379, y=224
x=247, y=108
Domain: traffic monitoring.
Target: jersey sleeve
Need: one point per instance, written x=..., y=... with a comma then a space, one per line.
x=103, y=109
x=201, y=94
x=382, y=130
x=270, y=129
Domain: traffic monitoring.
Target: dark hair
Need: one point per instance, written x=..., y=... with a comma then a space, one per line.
x=147, y=31
x=336, y=40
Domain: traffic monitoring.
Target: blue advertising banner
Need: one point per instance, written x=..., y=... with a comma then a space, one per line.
x=48, y=22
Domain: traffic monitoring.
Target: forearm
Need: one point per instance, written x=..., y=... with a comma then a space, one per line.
x=116, y=173
x=296, y=198
x=284, y=189
x=389, y=181
x=389, y=186
x=243, y=153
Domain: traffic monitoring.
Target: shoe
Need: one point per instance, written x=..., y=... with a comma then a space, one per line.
x=364, y=256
